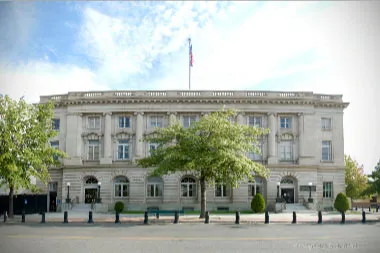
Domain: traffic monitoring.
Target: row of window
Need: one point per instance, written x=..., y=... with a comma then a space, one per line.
x=93, y=122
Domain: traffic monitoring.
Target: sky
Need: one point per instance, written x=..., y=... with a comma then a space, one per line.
x=325, y=47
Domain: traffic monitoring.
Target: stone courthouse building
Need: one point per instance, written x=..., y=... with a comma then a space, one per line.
x=100, y=132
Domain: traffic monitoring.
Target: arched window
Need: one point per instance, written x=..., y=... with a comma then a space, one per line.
x=91, y=180
x=287, y=181
x=188, y=187
x=121, y=185
x=155, y=187
x=256, y=186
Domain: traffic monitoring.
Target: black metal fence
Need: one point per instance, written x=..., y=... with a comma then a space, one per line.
x=31, y=203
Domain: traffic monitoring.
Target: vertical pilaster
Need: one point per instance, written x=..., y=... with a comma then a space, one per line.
x=139, y=134
x=107, y=159
x=172, y=118
x=300, y=135
x=241, y=118
x=74, y=129
x=272, y=157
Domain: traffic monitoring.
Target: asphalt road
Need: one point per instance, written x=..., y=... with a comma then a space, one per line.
x=208, y=238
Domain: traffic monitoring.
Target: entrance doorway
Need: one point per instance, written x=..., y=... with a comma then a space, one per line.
x=287, y=194
x=90, y=195
x=52, y=204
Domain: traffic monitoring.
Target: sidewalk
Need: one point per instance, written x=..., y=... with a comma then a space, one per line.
x=280, y=218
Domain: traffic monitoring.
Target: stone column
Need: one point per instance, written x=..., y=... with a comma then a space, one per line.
x=300, y=134
x=272, y=157
x=139, y=134
x=107, y=159
x=74, y=129
x=241, y=119
x=172, y=118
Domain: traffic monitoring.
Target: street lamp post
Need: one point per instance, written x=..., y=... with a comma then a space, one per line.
x=310, y=199
x=68, y=192
x=99, y=199
x=278, y=200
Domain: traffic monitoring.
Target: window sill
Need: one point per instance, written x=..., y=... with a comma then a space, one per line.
x=326, y=129
x=327, y=161
x=121, y=197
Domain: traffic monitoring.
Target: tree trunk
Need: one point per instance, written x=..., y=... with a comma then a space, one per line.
x=10, y=207
x=203, y=198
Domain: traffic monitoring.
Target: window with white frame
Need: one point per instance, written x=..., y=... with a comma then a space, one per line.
x=123, y=150
x=326, y=151
x=55, y=145
x=154, y=187
x=327, y=189
x=256, y=186
x=56, y=124
x=121, y=186
x=151, y=147
x=286, y=150
x=156, y=121
x=255, y=121
x=124, y=122
x=188, y=120
x=326, y=123
x=188, y=187
x=221, y=190
x=285, y=122
x=93, y=122
x=257, y=156
x=93, y=150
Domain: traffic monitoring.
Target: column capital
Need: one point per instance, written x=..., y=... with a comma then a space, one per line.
x=205, y=113
x=74, y=114
x=272, y=114
x=300, y=114
x=240, y=113
x=107, y=113
x=171, y=113
x=138, y=113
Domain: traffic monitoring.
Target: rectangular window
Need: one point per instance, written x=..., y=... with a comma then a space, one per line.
x=255, y=121
x=221, y=190
x=327, y=189
x=93, y=150
x=55, y=144
x=257, y=157
x=286, y=150
x=152, y=146
x=56, y=124
x=123, y=150
x=124, y=122
x=154, y=190
x=326, y=123
x=121, y=190
x=188, y=120
x=286, y=122
x=326, y=151
x=93, y=122
x=156, y=121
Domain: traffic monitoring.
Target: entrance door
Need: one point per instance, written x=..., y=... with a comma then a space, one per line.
x=53, y=204
x=90, y=195
x=288, y=194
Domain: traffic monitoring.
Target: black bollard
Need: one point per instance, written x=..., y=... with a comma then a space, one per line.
x=117, y=218
x=207, y=218
x=377, y=208
x=294, y=218
x=65, y=217
x=319, y=217
x=343, y=218
x=369, y=208
x=157, y=215
x=176, y=217
x=356, y=208
x=23, y=216
x=43, y=217
x=237, y=220
x=266, y=217
x=146, y=218
x=90, y=217
x=363, y=217
x=5, y=216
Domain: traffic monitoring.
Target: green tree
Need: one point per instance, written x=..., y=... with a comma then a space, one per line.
x=258, y=203
x=374, y=182
x=213, y=149
x=355, y=179
x=25, y=151
x=341, y=202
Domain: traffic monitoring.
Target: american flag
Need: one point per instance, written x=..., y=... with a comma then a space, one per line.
x=190, y=53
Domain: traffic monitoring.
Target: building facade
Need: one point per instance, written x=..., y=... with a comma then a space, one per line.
x=101, y=133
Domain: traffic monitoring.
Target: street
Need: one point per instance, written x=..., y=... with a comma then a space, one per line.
x=189, y=238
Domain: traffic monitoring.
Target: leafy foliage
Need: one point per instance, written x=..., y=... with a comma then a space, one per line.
x=25, y=151
x=258, y=203
x=374, y=182
x=213, y=149
x=355, y=179
x=341, y=202
x=119, y=206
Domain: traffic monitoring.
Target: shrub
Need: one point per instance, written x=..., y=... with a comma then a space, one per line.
x=258, y=203
x=341, y=202
x=119, y=207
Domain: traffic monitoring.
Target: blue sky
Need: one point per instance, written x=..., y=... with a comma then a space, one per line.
x=324, y=47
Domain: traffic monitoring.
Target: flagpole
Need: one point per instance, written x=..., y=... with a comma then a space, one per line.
x=189, y=63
